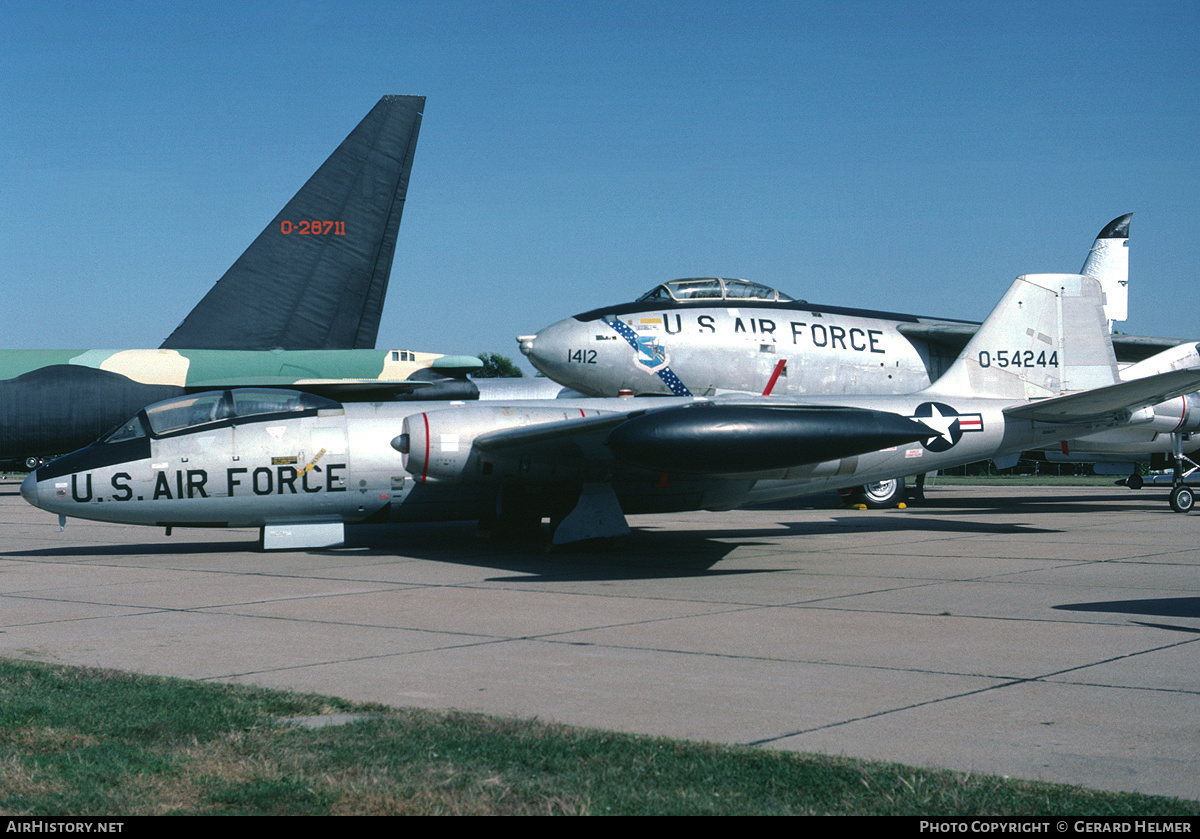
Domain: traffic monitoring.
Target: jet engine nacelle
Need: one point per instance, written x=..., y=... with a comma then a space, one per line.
x=1180, y=415
x=439, y=446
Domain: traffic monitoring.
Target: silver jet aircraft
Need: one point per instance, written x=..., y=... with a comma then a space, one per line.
x=708, y=336
x=299, y=466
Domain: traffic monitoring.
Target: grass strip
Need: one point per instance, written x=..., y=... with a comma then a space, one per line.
x=77, y=741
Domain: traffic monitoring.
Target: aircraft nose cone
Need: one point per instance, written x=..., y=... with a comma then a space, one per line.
x=589, y=356
x=29, y=488
x=548, y=349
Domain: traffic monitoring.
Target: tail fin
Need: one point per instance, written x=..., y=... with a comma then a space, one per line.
x=1047, y=336
x=1108, y=262
x=316, y=277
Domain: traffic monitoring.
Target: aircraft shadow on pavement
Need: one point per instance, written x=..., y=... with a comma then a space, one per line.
x=641, y=555
x=909, y=521
x=646, y=553
x=1162, y=607
x=946, y=502
x=1101, y=502
x=140, y=549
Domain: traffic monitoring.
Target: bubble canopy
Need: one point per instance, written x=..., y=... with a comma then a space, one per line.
x=713, y=288
x=219, y=407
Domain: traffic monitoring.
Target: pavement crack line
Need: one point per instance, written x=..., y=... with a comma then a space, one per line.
x=1007, y=684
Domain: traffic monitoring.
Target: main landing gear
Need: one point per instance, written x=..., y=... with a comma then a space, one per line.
x=1182, y=497
x=881, y=494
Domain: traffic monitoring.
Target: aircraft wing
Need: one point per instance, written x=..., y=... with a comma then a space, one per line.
x=1141, y=347
x=355, y=390
x=954, y=336
x=444, y=378
x=1111, y=401
x=379, y=386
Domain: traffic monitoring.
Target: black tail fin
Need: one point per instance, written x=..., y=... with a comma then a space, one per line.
x=317, y=276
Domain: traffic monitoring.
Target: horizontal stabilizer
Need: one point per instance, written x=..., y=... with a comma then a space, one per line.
x=1111, y=401
x=316, y=277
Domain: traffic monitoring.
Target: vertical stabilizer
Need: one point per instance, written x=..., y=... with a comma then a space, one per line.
x=316, y=277
x=1108, y=262
x=1047, y=336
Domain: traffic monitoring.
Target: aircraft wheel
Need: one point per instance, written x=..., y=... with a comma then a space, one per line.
x=881, y=494
x=32, y=463
x=1134, y=482
x=1182, y=499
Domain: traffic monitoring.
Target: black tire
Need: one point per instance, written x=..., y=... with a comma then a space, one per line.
x=32, y=463
x=1134, y=482
x=1182, y=499
x=880, y=495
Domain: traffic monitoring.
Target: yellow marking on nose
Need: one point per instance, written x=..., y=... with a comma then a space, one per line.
x=308, y=466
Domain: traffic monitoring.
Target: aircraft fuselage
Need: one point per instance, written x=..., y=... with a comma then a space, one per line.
x=343, y=464
x=735, y=347
x=55, y=401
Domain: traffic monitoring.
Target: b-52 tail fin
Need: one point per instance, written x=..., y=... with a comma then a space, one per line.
x=1047, y=336
x=316, y=277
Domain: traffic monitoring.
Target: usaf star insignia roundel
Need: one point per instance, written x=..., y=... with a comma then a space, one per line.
x=947, y=422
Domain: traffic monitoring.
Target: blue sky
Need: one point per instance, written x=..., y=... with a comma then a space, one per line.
x=898, y=155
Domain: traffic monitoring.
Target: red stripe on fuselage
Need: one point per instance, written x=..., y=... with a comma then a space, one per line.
x=425, y=466
x=774, y=377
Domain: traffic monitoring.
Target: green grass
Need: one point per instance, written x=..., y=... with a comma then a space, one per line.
x=89, y=742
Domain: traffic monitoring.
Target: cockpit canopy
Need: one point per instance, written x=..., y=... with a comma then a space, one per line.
x=713, y=288
x=225, y=407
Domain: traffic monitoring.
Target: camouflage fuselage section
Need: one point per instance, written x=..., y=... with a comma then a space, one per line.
x=200, y=368
x=54, y=401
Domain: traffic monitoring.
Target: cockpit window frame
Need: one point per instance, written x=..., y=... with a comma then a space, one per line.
x=223, y=409
x=693, y=290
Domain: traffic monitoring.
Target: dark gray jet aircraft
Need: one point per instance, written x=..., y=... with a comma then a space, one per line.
x=301, y=305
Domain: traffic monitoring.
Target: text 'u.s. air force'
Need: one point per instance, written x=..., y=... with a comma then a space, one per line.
x=197, y=483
